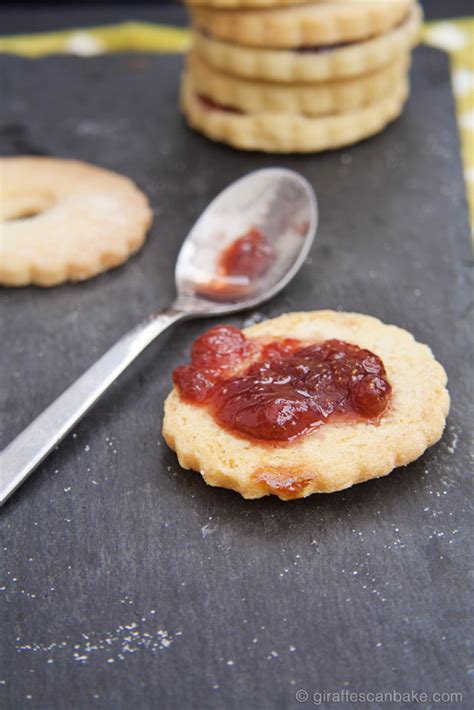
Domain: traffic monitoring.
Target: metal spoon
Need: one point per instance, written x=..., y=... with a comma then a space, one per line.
x=280, y=204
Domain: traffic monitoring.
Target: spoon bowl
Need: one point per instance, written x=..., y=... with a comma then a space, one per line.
x=281, y=206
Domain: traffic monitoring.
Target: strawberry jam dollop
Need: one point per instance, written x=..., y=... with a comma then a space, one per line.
x=279, y=390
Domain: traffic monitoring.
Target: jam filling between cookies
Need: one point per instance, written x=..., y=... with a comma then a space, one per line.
x=212, y=105
x=319, y=48
x=276, y=391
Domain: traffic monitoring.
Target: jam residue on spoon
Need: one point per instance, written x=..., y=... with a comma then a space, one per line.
x=276, y=391
x=246, y=258
x=250, y=255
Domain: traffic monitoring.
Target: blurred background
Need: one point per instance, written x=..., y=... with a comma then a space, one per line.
x=37, y=16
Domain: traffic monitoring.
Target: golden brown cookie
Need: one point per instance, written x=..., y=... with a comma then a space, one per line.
x=313, y=25
x=64, y=220
x=335, y=455
x=318, y=65
x=319, y=99
x=289, y=133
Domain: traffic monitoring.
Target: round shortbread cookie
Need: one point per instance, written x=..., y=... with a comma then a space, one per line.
x=289, y=133
x=310, y=66
x=64, y=220
x=313, y=25
x=336, y=455
x=306, y=99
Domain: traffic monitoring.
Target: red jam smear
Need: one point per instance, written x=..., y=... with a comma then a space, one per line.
x=277, y=391
x=250, y=255
x=318, y=48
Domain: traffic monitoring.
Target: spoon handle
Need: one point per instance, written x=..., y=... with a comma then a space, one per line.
x=30, y=448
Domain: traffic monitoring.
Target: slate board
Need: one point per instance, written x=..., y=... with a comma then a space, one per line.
x=130, y=583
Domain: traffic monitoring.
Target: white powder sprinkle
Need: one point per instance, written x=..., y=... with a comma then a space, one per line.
x=126, y=639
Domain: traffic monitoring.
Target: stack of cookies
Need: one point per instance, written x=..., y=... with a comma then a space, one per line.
x=287, y=76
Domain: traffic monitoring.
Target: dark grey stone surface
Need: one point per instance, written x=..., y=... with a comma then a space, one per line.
x=127, y=582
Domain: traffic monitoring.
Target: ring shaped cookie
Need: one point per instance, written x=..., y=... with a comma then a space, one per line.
x=288, y=133
x=307, y=99
x=336, y=455
x=320, y=23
x=63, y=220
x=311, y=66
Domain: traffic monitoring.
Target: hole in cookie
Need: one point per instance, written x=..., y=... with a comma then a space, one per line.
x=18, y=206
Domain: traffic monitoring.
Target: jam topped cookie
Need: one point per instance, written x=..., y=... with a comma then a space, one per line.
x=305, y=403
